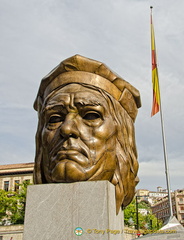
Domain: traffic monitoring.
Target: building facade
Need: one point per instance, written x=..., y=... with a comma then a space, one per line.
x=12, y=175
x=152, y=196
x=12, y=232
x=161, y=208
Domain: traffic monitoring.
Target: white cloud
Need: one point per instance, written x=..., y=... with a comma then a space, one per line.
x=37, y=35
x=152, y=174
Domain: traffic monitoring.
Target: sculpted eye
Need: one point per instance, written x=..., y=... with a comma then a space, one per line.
x=91, y=116
x=56, y=119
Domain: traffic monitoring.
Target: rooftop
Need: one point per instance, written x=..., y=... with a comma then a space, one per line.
x=16, y=168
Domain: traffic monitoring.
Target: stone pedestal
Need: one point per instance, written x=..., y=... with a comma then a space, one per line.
x=54, y=211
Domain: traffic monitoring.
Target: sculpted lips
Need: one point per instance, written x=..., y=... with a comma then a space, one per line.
x=78, y=155
x=73, y=150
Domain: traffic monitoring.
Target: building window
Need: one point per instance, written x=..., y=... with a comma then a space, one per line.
x=16, y=186
x=6, y=186
x=27, y=181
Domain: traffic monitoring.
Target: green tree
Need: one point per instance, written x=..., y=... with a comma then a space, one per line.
x=12, y=205
x=4, y=202
x=148, y=221
x=130, y=214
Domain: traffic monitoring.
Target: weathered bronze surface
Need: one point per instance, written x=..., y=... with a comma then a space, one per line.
x=86, y=127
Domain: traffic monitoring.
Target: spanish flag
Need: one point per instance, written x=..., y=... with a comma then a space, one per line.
x=155, y=80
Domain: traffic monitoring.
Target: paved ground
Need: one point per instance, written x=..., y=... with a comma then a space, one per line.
x=173, y=230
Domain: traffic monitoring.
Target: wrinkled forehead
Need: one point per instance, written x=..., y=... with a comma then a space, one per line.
x=78, y=94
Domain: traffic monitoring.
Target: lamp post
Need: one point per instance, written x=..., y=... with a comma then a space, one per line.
x=137, y=212
x=151, y=224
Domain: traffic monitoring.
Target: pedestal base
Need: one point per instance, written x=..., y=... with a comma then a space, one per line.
x=81, y=210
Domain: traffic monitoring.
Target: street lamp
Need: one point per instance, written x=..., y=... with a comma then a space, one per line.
x=137, y=212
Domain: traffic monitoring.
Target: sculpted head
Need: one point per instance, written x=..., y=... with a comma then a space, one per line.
x=86, y=127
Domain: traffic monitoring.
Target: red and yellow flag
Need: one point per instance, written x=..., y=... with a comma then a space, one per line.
x=155, y=81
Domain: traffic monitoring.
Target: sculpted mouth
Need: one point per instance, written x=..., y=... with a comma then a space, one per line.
x=67, y=152
x=72, y=151
x=77, y=155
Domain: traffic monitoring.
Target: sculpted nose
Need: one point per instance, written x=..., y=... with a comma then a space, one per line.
x=69, y=127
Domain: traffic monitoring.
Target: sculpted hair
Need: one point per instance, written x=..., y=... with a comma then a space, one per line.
x=125, y=175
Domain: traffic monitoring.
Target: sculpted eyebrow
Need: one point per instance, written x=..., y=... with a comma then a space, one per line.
x=86, y=102
x=53, y=106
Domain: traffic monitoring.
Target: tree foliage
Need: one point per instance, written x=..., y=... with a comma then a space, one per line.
x=147, y=221
x=12, y=205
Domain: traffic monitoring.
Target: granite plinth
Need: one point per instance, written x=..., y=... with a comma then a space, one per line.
x=54, y=211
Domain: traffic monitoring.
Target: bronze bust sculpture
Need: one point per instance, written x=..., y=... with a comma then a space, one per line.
x=86, y=127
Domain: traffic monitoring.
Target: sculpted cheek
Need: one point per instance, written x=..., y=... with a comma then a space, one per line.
x=106, y=130
x=47, y=136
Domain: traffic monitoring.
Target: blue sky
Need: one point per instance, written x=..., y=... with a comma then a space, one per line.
x=37, y=35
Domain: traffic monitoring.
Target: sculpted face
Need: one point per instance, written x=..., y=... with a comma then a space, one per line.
x=85, y=132
x=78, y=137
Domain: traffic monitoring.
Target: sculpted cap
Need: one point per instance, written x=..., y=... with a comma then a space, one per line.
x=79, y=69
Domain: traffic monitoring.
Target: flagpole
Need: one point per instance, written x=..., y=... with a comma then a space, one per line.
x=166, y=163
x=163, y=135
